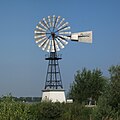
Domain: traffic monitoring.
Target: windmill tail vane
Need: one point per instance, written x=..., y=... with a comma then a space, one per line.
x=85, y=37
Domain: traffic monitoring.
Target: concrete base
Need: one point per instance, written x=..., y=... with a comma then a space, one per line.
x=54, y=95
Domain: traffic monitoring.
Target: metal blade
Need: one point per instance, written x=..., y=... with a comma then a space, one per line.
x=66, y=33
x=39, y=36
x=58, y=18
x=45, y=45
x=42, y=43
x=62, y=21
x=53, y=23
x=65, y=24
x=42, y=24
x=60, y=29
x=48, y=47
x=46, y=22
x=38, y=31
x=38, y=27
x=63, y=41
x=64, y=29
x=59, y=43
x=64, y=37
x=49, y=19
x=57, y=47
x=40, y=39
x=52, y=47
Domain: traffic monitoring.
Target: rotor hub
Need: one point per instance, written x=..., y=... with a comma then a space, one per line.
x=53, y=35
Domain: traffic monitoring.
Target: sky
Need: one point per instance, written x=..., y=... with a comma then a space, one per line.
x=22, y=63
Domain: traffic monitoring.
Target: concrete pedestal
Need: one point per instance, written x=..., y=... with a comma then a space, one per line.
x=54, y=95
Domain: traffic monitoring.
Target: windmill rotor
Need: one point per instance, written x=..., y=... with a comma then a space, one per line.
x=51, y=33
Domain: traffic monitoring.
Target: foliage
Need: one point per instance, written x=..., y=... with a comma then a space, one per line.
x=114, y=92
x=46, y=111
x=87, y=84
x=102, y=110
x=14, y=110
x=11, y=110
x=76, y=111
x=108, y=106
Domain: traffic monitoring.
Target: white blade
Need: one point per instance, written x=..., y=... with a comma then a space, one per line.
x=65, y=24
x=85, y=37
x=65, y=37
x=59, y=43
x=38, y=31
x=66, y=33
x=63, y=41
x=42, y=43
x=58, y=18
x=45, y=45
x=48, y=47
x=45, y=22
x=40, y=39
x=61, y=22
x=64, y=29
x=56, y=46
x=42, y=24
x=39, y=36
x=49, y=19
x=38, y=27
x=52, y=47
x=53, y=23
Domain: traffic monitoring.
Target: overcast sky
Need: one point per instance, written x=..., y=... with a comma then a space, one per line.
x=22, y=63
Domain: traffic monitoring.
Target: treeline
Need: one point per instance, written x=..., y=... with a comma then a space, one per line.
x=24, y=99
x=88, y=85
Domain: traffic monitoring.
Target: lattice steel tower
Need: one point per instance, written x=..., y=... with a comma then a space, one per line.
x=53, y=77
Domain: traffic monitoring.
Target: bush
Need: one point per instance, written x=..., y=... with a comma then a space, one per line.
x=11, y=110
x=14, y=110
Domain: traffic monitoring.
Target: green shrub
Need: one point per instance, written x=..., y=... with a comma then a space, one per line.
x=11, y=110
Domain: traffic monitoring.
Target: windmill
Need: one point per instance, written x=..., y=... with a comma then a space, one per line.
x=52, y=34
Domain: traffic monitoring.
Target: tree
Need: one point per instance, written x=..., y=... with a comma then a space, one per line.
x=87, y=84
x=108, y=106
x=114, y=97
